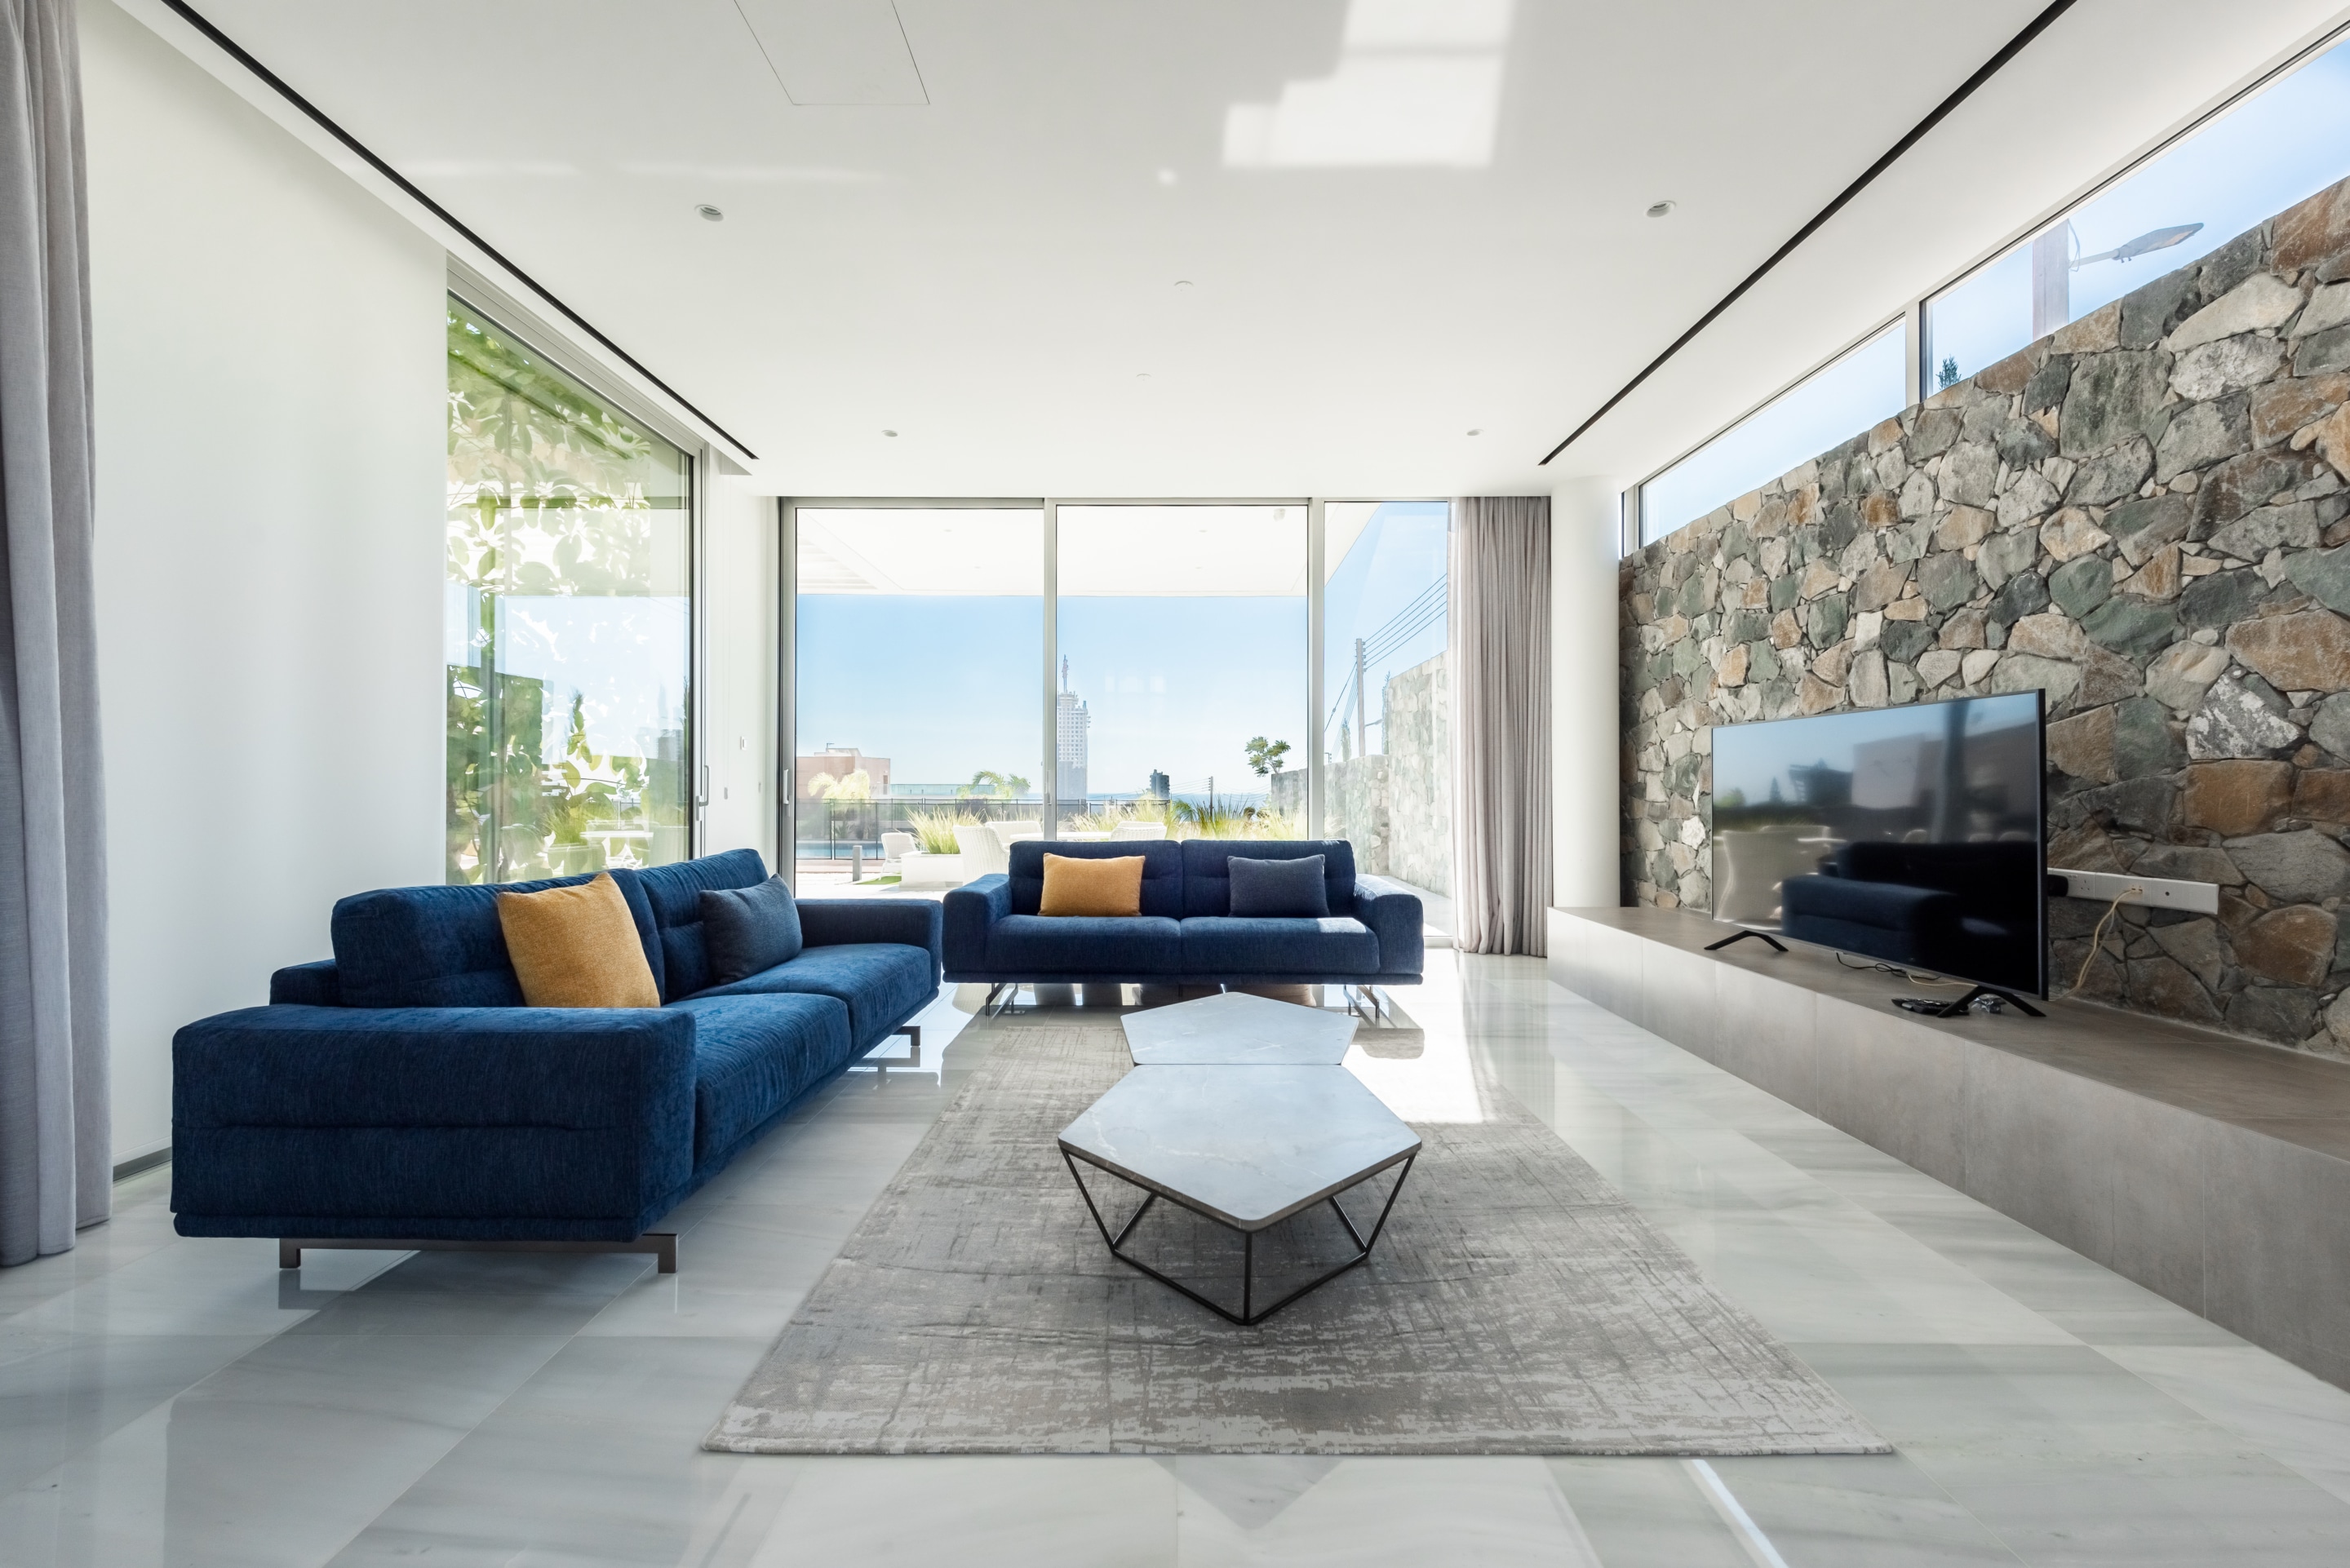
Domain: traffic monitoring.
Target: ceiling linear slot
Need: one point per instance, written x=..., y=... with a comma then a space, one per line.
x=1941, y=111
x=836, y=54
x=408, y=188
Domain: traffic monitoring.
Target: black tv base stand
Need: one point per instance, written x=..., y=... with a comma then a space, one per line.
x=1933, y=1009
x=1742, y=935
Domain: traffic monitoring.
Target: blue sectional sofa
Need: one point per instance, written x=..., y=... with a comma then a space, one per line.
x=1186, y=933
x=403, y=1090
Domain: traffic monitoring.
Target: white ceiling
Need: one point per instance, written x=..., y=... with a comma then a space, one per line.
x=1399, y=221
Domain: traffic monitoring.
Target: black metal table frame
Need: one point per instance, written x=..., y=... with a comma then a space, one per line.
x=1245, y=1317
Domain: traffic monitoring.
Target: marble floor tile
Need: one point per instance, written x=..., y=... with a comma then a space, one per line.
x=166, y=1401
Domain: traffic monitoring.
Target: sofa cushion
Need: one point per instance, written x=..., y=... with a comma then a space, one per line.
x=1162, y=872
x=1229, y=945
x=753, y=1055
x=1112, y=947
x=746, y=930
x=576, y=946
x=674, y=894
x=1090, y=885
x=881, y=983
x=1288, y=888
x=443, y=947
x=1206, y=885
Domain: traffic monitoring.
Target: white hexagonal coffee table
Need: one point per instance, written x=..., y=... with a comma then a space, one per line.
x=1235, y=1029
x=1244, y=1147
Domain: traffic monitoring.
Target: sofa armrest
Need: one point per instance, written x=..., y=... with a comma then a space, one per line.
x=315, y=984
x=1395, y=917
x=970, y=910
x=414, y=1116
x=910, y=922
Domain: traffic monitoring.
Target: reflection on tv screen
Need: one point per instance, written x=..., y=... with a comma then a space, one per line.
x=1911, y=835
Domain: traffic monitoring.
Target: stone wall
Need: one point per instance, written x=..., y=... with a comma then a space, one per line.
x=2143, y=517
x=1355, y=808
x=1417, y=730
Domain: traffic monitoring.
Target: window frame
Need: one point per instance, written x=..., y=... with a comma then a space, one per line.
x=1913, y=314
x=492, y=302
x=787, y=510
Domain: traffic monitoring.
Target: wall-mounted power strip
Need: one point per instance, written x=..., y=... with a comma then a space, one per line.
x=2154, y=892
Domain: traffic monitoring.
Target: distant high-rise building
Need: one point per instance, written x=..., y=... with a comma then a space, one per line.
x=1159, y=786
x=1071, y=721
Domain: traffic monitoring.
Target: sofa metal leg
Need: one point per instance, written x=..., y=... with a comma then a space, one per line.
x=660, y=1244
x=913, y=1033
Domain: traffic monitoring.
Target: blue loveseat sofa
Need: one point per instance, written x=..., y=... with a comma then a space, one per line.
x=401, y=1090
x=1186, y=934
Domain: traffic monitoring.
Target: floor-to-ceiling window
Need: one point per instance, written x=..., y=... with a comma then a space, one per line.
x=568, y=622
x=919, y=646
x=1181, y=695
x=1387, y=701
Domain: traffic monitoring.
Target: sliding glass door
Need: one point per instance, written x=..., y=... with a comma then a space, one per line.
x=919, y=646
x=568, y=622
x=1181, y=680
x=1387, y=732
x=966, y=675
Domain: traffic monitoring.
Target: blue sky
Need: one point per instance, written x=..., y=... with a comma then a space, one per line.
x=1400, y=552
x=2289, y=142
x=944, y=685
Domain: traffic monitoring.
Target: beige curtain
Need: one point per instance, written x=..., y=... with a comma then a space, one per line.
x=54, y=1174
x=1500, y=658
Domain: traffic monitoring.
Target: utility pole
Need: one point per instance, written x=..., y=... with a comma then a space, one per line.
x=1362, y=735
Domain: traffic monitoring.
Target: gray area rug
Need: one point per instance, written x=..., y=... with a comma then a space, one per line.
x=1516, y=1304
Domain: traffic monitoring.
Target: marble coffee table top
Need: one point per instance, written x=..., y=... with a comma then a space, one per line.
x=1237, y=1029
x=1246, y=1148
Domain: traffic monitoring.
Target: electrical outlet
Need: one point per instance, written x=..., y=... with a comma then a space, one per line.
x=2154, y=892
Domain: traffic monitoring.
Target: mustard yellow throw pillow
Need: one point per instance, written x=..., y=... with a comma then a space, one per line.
x=1075, y=887
x=576, y=946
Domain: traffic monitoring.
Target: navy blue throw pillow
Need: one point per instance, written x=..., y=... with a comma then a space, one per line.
x=746, y=930
x=1277, y=888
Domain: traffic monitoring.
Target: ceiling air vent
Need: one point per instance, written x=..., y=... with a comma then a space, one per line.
x=836, y=52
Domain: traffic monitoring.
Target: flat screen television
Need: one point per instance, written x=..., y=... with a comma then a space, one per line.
x=1914, y=836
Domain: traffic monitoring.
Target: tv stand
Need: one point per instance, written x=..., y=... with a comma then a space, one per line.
x=1742, y=935
x=1959, y=1009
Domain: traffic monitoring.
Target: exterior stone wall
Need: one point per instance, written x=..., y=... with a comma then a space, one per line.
x=1355, y=808
x=1419, y=734
x=2143, y=517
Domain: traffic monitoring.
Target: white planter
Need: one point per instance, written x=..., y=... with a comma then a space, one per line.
x=920, y=868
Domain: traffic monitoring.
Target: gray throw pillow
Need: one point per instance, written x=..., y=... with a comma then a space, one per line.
x=1273, y=889
x=746, y=930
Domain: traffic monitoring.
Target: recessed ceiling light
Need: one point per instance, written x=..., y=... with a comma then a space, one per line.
x=1167, y=176
x=1142, y=375
x=1662, y=209
x=1478, y=432
x=891, y=434
x=1183, y=283
x=710, y=212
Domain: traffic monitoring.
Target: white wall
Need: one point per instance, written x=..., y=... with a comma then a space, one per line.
x=270, y=492
x=739, y=536
x=1587, y=733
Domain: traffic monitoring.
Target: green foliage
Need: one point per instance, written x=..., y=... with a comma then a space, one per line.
x=1948, y=376
x=550, y=494
x=856, y=785
x=935, y=830
x=1265, y=756
x=1223, y=822
x=989, y=784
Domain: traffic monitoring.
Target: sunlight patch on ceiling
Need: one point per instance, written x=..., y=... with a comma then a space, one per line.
x=1418, y=85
